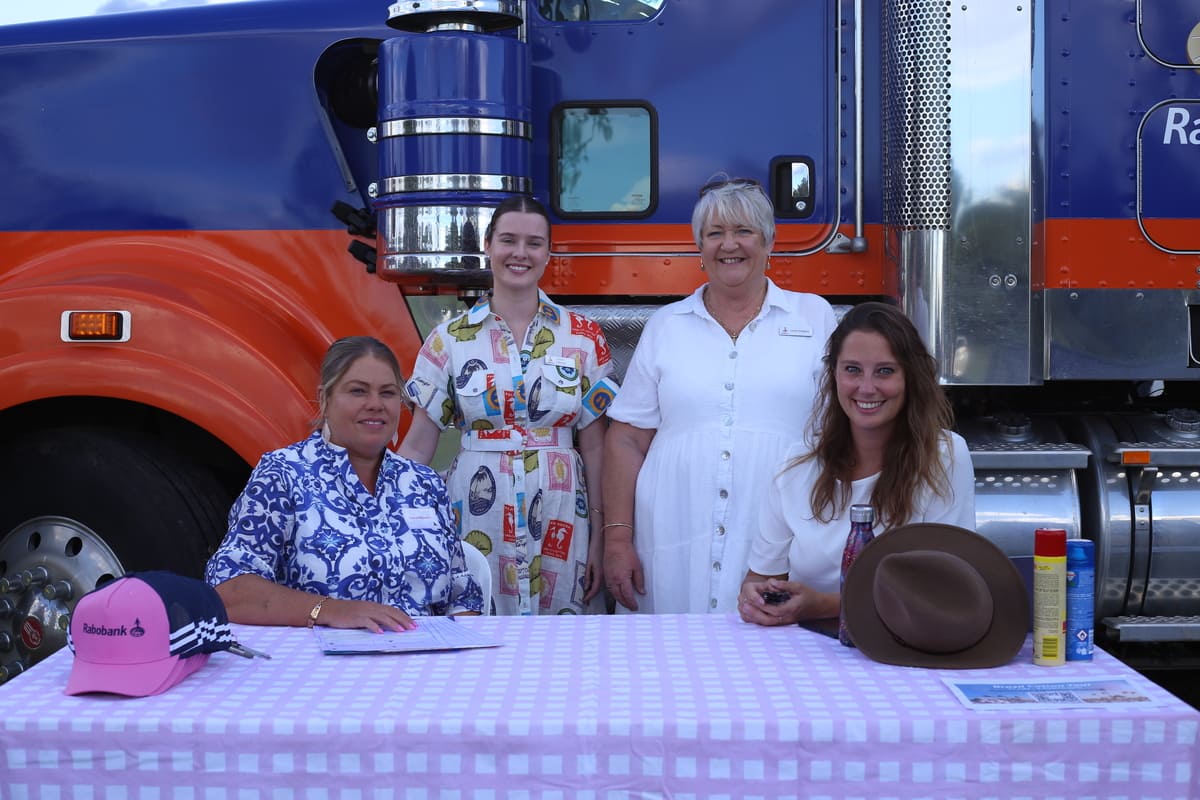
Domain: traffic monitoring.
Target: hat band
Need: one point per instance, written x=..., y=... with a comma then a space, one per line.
x=900, y=640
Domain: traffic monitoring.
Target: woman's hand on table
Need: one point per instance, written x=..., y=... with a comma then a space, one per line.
x=375, y=617
x=623, y=571
x=801, y=602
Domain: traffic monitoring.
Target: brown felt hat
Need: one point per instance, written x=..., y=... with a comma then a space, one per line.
x=932, y=595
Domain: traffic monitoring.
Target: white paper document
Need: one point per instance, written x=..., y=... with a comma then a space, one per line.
x=431, y=633
x=1100, y=692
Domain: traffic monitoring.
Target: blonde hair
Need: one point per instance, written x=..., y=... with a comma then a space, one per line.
x=739, y=200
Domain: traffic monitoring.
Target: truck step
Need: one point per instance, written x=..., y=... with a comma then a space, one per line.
x=1154, y=629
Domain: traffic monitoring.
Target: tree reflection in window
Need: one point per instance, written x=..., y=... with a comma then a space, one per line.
x=579, y=128
x=604, y=156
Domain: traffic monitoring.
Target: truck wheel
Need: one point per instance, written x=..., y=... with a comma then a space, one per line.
x=81, y=506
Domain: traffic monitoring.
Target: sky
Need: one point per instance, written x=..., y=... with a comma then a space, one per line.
x=14, y=11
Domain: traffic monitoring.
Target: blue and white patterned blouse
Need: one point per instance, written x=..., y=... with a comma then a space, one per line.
x=306, y=521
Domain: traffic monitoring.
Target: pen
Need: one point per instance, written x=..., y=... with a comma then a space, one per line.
x=246, y=652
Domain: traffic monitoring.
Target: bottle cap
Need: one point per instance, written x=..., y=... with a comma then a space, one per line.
x=1080, y=551
x=1050, y=543
x=862, y=513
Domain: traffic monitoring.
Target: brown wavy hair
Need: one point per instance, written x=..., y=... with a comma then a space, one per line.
x=912, y=460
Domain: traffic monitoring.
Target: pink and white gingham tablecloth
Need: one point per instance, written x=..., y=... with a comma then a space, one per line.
x=585, y=707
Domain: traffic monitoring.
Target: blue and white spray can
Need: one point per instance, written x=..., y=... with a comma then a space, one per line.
x=1081, y=599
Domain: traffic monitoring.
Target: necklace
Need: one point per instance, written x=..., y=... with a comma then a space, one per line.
x=733, y=331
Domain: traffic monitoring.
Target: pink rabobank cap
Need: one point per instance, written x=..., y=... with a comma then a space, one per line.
x=145, y=632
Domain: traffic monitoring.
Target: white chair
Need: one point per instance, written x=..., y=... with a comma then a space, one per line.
x=481, y=571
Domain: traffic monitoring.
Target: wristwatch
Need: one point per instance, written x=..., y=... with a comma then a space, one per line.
x=316, y=612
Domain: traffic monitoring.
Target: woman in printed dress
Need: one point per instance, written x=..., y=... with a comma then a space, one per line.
x=336, y=530
x=520, y=377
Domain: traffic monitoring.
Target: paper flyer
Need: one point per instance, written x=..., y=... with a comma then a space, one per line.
x=431, y=634
x=1050, y=693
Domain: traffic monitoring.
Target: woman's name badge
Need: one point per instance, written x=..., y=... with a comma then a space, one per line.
x=420, y=517
x=785, y=331
x=560, y=361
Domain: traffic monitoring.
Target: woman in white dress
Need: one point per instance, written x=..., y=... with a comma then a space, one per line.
x=720, y=384
x=883, y=439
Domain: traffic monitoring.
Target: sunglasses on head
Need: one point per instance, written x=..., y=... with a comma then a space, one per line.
x=740, y=183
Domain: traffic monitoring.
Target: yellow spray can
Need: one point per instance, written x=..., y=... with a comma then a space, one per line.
x=1049, y=597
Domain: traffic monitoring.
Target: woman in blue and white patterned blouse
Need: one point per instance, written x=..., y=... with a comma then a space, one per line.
x=336, y=529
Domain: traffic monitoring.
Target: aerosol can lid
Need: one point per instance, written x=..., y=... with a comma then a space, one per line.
x=1080, y=551
x=1050, y=543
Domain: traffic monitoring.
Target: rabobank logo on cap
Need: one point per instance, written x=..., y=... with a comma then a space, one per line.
x=104, y=630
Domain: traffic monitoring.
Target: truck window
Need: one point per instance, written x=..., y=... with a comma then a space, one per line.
x=598, y=10
x=603, y=160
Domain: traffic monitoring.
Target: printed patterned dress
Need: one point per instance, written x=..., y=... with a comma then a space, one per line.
x=517, y=485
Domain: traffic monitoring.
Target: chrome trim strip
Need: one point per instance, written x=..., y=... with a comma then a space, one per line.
x=433, y=229
x=434, y=265
x=1036, y=456
x=403, y=184
x=859, y=59
x=427, y=16
x=511, y=8
x=1134, y=628
x=482, y=126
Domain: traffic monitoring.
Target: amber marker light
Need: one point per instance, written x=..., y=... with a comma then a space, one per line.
x=95, y=326
x=1135, y=458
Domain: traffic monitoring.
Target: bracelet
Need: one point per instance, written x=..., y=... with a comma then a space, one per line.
x=608, y=525
x=316, y=612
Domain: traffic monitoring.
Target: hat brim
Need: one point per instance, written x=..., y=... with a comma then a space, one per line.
x=132, y=680
x=1010, y=615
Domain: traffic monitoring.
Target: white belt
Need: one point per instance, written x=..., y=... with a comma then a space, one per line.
x=509, y=439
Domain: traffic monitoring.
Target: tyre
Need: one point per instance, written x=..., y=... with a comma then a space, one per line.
x=82, y=505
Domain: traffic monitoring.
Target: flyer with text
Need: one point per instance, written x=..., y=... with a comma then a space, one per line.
x=1099, y=692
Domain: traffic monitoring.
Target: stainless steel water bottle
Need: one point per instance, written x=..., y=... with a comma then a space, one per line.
x=862, y=531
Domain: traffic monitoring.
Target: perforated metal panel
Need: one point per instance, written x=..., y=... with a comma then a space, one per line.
x=916, y=114
x=957, y=161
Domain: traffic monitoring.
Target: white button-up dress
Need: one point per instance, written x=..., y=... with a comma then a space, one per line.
x=724, y=414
